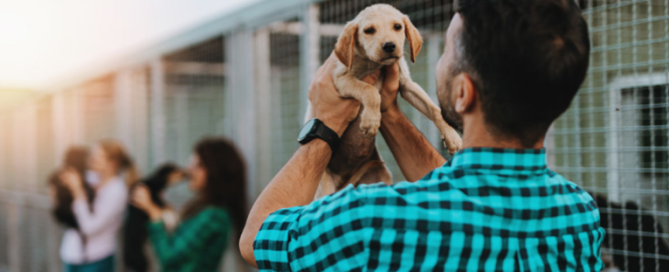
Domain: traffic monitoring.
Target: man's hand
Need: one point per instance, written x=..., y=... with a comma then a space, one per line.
x=390, y=87
x=326, y=102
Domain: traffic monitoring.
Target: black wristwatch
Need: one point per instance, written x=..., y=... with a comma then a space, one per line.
x=315, y=128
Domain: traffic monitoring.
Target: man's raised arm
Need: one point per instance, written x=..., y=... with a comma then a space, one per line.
x=296, y=183
x=413, y=152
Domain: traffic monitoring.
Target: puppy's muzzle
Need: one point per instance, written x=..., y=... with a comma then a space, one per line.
x=389, y=47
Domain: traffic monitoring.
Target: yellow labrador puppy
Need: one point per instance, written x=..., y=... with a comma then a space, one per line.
x=374, y=39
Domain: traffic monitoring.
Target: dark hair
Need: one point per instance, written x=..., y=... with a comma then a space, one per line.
x=135, y=233
x=76, y=158
x=526, y=58
x=226, y=181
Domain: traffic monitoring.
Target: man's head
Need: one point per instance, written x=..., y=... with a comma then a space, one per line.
x=517, y=64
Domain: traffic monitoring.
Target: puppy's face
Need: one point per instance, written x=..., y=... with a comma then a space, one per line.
x=378, y=33
x=381, y=34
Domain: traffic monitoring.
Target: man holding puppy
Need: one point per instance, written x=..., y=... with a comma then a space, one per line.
x=509, y=69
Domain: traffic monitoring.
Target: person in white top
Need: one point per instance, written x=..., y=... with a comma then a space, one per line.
x=92, y=247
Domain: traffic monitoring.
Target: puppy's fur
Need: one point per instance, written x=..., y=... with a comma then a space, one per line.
x=362, y=49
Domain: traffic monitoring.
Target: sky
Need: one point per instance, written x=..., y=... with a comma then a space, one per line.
x=42, y=41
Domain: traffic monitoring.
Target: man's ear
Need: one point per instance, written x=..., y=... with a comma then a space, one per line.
x=345, y=47
x=414, y=38
x=466, y=93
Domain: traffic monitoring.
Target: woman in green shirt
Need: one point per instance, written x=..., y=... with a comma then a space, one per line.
x=217, y=176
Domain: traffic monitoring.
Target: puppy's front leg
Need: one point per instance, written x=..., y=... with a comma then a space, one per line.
x=419, y=99
x=370, y=98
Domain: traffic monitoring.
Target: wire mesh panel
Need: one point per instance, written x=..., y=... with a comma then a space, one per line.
x=194, y=102
x=5, y=151
x=276, y=57
x=131, y=113
x=613, y=140
x=4, y=238
x=23, y=148
x=44, y=144
x=285, y=78
x=39, y=237
x=97, y=109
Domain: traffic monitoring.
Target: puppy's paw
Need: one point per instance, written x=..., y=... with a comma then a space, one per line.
x=370, y=123
x=452, y=141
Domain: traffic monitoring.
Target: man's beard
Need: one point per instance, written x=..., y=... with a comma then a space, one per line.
x=448, y=111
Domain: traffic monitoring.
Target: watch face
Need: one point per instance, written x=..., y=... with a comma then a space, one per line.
x=306, y=129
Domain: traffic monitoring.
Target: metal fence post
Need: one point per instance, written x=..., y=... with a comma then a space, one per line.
x=140, y=131
x=24, y=153
x=59, y=128
x=241, y=99
x=13, y=237
x=77, y=117
x=3, y=152
x=240, y=115
x=157, y=112
x=123, y=108
x=180, y=97
x=310, y=47
x=261, y=43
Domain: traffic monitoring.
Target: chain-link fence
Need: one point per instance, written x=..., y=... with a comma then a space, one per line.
x=614, y=139
x=246, y=76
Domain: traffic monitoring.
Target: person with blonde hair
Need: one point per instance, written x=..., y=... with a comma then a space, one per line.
x=99, y=221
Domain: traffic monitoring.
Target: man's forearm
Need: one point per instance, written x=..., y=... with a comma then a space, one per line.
x=413, y=152
x=294, y=185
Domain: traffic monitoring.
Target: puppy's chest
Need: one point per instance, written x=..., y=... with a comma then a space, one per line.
x=362, y=73
x=355, y=149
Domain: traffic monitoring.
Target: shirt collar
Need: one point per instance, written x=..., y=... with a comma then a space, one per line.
x=505, y=160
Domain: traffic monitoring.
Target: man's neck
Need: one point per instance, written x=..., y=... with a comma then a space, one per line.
x=476, y=134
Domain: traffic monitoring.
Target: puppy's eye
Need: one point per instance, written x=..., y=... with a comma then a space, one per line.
x=370, y=30
x=398, y=27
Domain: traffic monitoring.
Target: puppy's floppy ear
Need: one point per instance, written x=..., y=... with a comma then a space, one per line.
x=345, y=47
x=414, y=38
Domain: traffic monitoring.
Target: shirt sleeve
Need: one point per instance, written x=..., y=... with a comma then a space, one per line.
x=189, y=239
x=109, y=208
x=328, y=233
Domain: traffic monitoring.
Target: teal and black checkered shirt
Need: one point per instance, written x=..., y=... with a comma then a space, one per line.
x=485, y=210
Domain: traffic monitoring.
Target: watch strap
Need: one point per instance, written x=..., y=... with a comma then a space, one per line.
x=328, y=135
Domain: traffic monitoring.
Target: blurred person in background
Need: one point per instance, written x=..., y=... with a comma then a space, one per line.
x=100, y=220
x=135, y=231
x=217, y=177
x=75, y=158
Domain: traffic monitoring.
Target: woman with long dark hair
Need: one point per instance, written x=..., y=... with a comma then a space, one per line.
x=135, y=232
x=75, y=158
x=99, y=219
x=217, y=176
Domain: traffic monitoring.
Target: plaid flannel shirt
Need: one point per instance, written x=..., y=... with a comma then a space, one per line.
x=485, y=210
x=196, y=245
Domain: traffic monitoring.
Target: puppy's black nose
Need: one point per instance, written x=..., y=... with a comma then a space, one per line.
x=389, y=47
